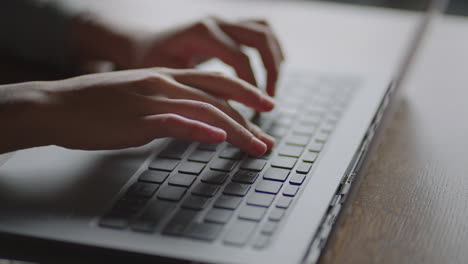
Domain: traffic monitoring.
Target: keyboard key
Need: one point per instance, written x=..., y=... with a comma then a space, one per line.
x=252, y=213
x=223, y=165
x=128, y=205
x=284, y=202
x=283, y=162
x=201, y=156
x=171, y=193
x=266, y=186
x=174, y=150
x=265, y=156
x=304, y=129
x=239, y=233
x=253, y=164
x=215, y=177
x=191, y=167
x=261, y=120
x=227, y=202
x=276, y=214
x=261, y=241
x=285, y=120
x=297, y=179
x=179, y=222
x=290, y=190
x=238, y=189
x=327, y=127
x=153, y=176
x=311, y=120
x=163, y=164
x=290, y=150
x=220, y=216
x=114, y=221
x=153, y=215
x=204, y=189
x=310, y=156
x=207, y=146
x=231, y=153
x=203, y=231
x=278, y=131
x=321, y=136
x=304, y=167
x=269, y=228
x=315, y=146
x=181, y=179
x=276, y=174
x=142, y=189
x=299, y=140
x=260, y=199
x=195, y=202
x=244, y=176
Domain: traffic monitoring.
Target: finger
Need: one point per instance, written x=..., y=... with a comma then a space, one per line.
x=216, y=43
x=260, y=39
x=172, y=125
x=267, y=139
x=237, y=134
x=226, y=87
x=269, y=28
x=177, y=90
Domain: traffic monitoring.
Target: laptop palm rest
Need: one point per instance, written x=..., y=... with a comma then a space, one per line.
x=53, y=181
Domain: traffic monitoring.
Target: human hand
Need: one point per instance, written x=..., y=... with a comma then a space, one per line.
x=131, y=108
x=190, y=45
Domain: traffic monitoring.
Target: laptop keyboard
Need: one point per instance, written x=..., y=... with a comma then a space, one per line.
x=215, y=192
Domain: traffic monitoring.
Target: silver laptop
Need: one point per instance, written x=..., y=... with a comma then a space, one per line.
x=210, y=203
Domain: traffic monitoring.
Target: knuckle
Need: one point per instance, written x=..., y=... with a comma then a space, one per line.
x=149, y=79
x=205, y=107
x=169, y=119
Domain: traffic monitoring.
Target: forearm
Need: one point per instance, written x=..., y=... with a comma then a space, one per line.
x=20, y=117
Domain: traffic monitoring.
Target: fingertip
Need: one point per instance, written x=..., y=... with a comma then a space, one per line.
x=217, y=135
x=268, y=103
x=271, y=90
x=268, y=140
x=258, y=147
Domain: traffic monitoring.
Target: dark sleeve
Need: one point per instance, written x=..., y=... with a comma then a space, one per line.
x=36, y=30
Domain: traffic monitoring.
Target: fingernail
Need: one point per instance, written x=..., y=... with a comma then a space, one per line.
x=258, y=146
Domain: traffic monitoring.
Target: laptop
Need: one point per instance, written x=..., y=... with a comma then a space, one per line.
x=205, y=203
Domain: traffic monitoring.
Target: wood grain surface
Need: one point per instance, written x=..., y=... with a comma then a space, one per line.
x=411, y=206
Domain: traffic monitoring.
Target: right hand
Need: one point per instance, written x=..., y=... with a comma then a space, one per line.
x=131, y=108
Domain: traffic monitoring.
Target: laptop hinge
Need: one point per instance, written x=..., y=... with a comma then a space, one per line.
x=321, y=236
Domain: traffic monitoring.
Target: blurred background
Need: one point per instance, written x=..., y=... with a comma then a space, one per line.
x=456, y=7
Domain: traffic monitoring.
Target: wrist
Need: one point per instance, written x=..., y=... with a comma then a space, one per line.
x=20, y=116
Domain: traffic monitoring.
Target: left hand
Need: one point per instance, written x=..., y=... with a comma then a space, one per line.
x=187, y=46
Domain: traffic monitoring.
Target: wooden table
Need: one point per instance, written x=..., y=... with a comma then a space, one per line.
x=411, y=205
